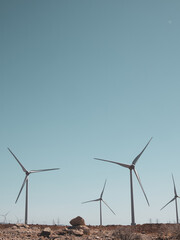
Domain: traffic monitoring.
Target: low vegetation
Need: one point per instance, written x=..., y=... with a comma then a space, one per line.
x=83, y=232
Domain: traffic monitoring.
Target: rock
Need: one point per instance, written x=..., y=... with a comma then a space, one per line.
x=45, y=232
x=14, y=227
x=139, y=236
x=62, y=231
x=86, y=231
x=178, y=236
x=76, y=232
x=84, y=228
x=116, y=232
x=22, y=225
x=77, y=221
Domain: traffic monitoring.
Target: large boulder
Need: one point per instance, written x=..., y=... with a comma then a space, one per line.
x=77, y=221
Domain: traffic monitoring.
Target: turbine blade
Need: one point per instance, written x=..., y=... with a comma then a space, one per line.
x=92, y=201
x=138, y=178
x=108, y=207
x=6, y=213
x=23, y=168
x=175, y=192
x=121, y=164
x=43, y=170
x=103, y=189
x=26, y=177
x=138, y=156
x=168, y=203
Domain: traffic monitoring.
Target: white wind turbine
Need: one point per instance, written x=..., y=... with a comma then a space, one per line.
x=174, y=199
x=5, y=217
x=27, y=173
x=131, y=167
x=100, y=200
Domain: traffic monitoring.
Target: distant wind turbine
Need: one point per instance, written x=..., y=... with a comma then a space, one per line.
x=27, y=173
x=18, y=220
x=100, y=200
x=131, y=167
x=5, y=217
x=174, y=199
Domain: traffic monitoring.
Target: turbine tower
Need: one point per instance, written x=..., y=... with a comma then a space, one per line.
x=101, y=200
x=27, y=173
x=131, y=167
x=174, y=199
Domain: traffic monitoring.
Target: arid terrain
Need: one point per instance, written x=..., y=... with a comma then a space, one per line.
x=138, y=232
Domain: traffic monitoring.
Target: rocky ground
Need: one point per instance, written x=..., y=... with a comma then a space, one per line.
x=83, y=232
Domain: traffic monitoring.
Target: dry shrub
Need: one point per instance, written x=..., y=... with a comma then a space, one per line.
x=128, y=234
x=147, y=232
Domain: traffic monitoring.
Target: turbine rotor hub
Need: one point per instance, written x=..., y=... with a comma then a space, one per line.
x=132, y=167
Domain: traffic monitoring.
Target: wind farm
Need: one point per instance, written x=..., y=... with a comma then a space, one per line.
x=132, y=169
x=81, y=229
x=90, y=79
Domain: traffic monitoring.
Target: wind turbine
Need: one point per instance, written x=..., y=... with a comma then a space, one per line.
x=5, y=217
x=101, y=200
x=131, y=167
x=18, y=220
x=174, y=199
x=27, y=173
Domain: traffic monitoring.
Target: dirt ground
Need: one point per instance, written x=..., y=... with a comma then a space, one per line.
x=114, y=232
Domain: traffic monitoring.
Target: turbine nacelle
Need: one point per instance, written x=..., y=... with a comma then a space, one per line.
x=132, y=167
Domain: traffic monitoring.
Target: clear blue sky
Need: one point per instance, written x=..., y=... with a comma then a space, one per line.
x=84, y=79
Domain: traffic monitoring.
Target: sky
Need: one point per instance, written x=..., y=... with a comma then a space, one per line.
x=84, y=79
